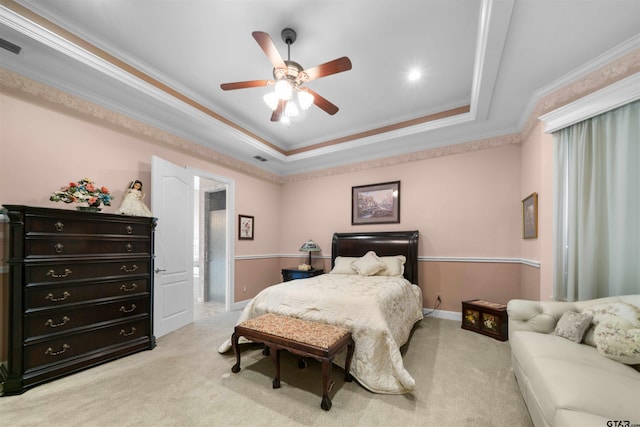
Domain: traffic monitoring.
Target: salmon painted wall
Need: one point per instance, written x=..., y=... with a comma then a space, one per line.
x=42, y=149
x=537, y=176
x=466, y=207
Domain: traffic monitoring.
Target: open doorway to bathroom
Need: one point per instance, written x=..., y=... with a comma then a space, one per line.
x=210, y=256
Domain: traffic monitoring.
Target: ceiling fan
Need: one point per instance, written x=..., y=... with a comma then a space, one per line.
x=289, y=78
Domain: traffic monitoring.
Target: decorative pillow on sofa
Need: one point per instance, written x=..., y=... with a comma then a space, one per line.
x=618, y=340
x=572, y=325
x=342, y=265
x=610, y=311
x=368, y=265
x=394, y=266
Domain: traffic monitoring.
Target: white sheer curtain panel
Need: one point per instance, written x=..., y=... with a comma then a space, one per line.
x=597, y=206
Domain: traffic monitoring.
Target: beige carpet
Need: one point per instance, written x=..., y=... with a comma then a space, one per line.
x=463, y=379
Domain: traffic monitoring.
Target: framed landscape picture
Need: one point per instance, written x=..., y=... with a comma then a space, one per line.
x=375, y=203
x=530, y=216
x=245, y=227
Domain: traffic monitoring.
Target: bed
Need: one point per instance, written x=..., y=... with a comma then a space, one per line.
x=379, y=309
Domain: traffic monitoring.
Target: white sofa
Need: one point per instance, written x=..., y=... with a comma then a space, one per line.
x=565, y=383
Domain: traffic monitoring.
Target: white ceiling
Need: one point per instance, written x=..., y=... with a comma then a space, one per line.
x=162, y=62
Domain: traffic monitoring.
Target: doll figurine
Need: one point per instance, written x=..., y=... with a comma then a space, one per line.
x=132, y=203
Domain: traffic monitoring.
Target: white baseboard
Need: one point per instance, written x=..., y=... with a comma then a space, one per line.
x=442, y=314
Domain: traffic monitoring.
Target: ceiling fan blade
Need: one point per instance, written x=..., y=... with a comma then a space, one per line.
x=332, y=67
x=277, y=113
x=247, y=84
x=267, y=46
x=322, y=103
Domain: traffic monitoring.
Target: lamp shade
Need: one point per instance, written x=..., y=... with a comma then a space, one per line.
x=310, y=246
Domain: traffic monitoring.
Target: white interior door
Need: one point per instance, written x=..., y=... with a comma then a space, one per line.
x=172, y=204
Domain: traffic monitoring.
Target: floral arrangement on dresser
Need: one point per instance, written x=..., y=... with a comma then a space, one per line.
x=83, y=191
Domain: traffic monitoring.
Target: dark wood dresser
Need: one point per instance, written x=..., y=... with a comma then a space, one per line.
x=79, y=292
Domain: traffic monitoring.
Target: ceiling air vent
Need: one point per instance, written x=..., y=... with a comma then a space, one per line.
x=13, y=48
x=262, y=159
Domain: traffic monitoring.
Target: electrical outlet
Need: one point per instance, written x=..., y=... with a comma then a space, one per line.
x=244, y=289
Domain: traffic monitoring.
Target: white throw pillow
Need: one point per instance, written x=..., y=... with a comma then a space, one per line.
x=618, y=340
x=610, y=311
x=394, y=266
x=342, y=265
x=368, y=265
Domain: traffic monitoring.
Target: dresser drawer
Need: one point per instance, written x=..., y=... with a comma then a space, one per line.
x=73, y=345
x=66, y=226
x=77, y=246
x=47, y=322
x=60, y=295
x=73, y=271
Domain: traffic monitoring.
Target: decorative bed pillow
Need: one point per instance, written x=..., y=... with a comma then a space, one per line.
x=394, y=266
x=342, y=265
x=610, y=311
x=618, y=340
x=572, y=325
x=368, y=265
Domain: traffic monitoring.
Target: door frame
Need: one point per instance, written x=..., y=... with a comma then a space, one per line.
x=230, y=238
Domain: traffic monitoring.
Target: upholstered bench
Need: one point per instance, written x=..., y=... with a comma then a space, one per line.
x=301, y=337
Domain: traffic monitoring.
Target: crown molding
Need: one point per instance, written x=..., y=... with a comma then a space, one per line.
x=613, y=96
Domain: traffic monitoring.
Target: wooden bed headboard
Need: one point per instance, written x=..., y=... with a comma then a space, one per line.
x=384, y=243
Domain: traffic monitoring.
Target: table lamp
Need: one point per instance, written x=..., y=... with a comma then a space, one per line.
x=310, y=246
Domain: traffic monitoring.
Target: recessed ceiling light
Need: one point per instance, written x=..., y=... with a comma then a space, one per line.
x=414, y=75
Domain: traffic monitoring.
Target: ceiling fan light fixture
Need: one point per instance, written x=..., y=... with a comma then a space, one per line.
x=271, y=99
x=284, y=89
x=305, y=99
x=291, y=110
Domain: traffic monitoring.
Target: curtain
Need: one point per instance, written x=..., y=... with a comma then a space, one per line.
x=597, y=206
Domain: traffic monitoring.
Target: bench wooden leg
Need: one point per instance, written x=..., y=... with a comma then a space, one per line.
x=236, y=351
x=326, y=380
x=275, y=356
x=347, y=366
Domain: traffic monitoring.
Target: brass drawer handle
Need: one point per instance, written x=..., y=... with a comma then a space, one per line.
x=50, y=351
x=59, y=247
x=124, y=310
x=129, y=229
x=64, y=296
x=128, y=247
x=124, y=288
x=53, y=274
x=126, y=334
x=50, y=323
x=59, y=226
x=129, y=270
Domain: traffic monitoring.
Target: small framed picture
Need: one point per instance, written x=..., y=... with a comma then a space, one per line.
x=530, y=216
x=375, y=203
x=245, y=227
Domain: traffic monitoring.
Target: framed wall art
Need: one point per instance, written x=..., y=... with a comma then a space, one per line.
x=375, y=203
x=530, y=216
x=245, y=227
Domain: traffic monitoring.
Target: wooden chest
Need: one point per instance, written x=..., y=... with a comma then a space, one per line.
x=485, y=317
x=79, y=292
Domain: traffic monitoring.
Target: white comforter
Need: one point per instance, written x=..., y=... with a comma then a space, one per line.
x=380, y=312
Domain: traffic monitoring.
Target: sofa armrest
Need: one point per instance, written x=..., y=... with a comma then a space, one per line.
x=535, y=316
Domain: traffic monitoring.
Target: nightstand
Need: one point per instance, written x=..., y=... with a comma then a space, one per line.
x=294, y=273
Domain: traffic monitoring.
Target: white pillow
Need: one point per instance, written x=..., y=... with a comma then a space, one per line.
x=394, y=266
x=368, y=265
x=342, y=265
x=610, y=311
x=618, y=340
